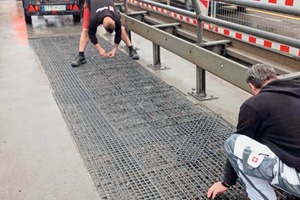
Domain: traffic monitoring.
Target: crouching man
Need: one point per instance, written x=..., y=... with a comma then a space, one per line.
x=265, y=150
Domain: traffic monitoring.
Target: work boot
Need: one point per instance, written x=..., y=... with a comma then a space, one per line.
x=133, y=54
x=79, y=60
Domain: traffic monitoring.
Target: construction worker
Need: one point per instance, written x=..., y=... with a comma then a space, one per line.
x=101, y=13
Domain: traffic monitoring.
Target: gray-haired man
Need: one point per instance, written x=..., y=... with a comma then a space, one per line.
x=265, y=150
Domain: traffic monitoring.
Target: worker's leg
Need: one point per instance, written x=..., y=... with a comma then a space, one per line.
x=84, y=38
x=132, y=51
x=258, y=166
x=247, y=158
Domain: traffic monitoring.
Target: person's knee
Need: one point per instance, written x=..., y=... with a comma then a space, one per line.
x=230, y=143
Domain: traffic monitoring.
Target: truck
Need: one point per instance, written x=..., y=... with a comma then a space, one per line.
x=52, y=7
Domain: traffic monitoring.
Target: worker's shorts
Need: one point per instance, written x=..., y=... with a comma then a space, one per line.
x=86, y=16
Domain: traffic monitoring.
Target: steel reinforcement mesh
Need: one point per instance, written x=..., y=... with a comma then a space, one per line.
x=139, y=138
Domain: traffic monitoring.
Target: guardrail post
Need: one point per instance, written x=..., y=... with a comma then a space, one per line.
x=213, y=8
x=126, y=7
x=200, y=92
x=156, y=58
x=200, y=73
x=200, y=82
x=126, y=12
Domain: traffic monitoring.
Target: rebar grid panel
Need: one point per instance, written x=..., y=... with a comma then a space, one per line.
x=129, y=126
x=206, y=130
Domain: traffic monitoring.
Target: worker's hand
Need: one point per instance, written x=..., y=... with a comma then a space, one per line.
x=112, y=53
x=216, y=189
x=102, y=52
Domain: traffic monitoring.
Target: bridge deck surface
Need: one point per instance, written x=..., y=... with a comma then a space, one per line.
x=138, y=136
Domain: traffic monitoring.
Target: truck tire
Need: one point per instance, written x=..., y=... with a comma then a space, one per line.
x=76, y=18
x=28, y=19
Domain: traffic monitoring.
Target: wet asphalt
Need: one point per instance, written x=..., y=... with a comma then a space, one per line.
x=38, y=159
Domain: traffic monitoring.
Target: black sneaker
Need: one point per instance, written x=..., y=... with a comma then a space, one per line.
x=79, y=60
x=133, y=54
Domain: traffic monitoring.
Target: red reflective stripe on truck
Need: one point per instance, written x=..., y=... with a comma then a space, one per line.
x=75, y=7
x=31, y=8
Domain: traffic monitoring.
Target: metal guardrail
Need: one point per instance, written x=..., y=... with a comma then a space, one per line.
x=292, y=76
x=204, y=60
x=284, y=29
x=263, y=6
x=282, y=24
x=213, y=63
x=249, y=30
x=238, y=27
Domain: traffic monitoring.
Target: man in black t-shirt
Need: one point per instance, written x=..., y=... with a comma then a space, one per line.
x=101, y=12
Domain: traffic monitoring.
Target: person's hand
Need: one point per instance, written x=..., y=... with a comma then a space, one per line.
x=216, y=189
x=102, y=52
x=112, y=53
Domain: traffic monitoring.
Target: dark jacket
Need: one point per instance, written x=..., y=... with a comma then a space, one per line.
x=272, y=117
x=100, y=9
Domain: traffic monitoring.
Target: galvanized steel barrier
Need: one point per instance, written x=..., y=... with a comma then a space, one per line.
x=217, y=65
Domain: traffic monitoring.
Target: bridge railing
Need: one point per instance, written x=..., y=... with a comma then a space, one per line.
x=282, y=24
x=204, y=59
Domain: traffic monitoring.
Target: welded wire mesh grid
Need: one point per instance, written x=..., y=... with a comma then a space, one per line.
x=139, y=138
x=278, y=23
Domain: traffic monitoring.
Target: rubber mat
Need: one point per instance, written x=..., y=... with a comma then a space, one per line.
x=139, y=138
